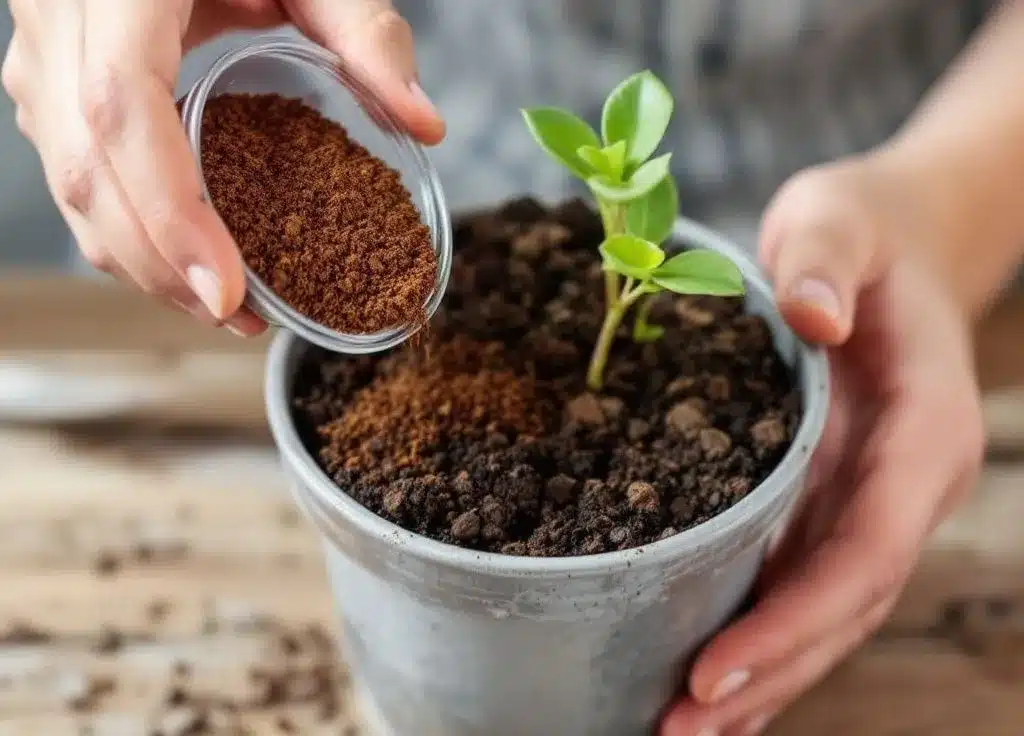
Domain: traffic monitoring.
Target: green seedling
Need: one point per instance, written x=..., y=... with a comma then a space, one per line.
x=638, y=203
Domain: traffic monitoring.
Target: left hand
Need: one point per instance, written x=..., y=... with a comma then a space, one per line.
x=93, y=83
x=902, y=445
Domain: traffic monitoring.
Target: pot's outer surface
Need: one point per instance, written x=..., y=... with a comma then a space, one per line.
x=444, y=641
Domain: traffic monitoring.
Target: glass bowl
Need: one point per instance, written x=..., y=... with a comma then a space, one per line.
x=298, y=69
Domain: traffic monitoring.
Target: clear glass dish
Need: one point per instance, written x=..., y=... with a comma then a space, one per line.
x=275, y=64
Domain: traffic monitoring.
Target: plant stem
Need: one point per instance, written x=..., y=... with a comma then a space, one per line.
x=613, y=220
x=613, y=217
x=612, y=320
x=644, y=311
x=611, y=289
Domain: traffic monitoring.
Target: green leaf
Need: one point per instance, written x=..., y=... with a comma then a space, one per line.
x=700, y=272
x=643, y=181
x=652, y=217
x=595, y=158
x=561, y=134
x=644, y=332
x=631, y=256
x=616, y=156
x=608, y=161
x=608, y=189
x=637, y=112
x=650, y=174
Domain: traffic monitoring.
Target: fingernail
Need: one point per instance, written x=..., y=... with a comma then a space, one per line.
x=729, y=685
x=818, y=293
x=207, y=287
x=237, y=324
x=755, y=726
x=421, y=96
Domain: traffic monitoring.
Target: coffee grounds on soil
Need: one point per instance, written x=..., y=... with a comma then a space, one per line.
x=327, y=226
x=416, y=407
x=685, y=427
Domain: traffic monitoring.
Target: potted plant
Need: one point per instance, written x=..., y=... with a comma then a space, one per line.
x=533, y=522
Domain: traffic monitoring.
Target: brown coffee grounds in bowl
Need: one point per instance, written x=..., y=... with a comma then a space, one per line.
x=327, y=226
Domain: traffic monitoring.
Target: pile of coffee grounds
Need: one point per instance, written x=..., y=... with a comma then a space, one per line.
x=326, y=225
x=684, y=428
x=418, y=405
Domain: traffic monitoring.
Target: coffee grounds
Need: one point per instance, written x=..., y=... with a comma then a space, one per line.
x=423, y=401
x=685, y=428
x=326, y=225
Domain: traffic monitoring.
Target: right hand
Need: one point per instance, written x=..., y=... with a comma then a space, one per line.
x=94, y=89
x=850, y=248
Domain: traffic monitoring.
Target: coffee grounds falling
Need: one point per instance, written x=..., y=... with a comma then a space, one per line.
x=325, y=224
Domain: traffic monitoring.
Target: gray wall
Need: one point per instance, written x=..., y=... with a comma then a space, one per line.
x=31, y=231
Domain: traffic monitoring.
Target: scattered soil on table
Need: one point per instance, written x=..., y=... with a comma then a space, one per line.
x=327, y=226
x=110, y=641
x=21, y=633
x=107, y=564
x=88, y=694
x=486, y=436
x=297, y=681
x=158, y=611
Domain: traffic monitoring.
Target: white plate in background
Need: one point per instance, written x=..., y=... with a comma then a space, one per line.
x=59, y=388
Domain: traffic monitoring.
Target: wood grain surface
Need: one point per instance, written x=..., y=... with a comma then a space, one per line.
x=156, y=578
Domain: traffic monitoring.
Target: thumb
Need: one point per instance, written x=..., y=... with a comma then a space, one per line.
x=377, y=41
x=819, y=243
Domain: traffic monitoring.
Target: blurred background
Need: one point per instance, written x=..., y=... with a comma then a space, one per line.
x=148, y=548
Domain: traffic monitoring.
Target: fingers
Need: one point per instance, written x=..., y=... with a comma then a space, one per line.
x=99, y=111
x=245, y=323
x=107, y=210
x=842, y=580
x=821, y=243
x=126, y=100
x=12, y=74
x=866, y=557
x=377, y=41
x=846, y=584
x=208, y=20
x=369, y=34
x=125, y=251
x=750, y=711
x=90, y=198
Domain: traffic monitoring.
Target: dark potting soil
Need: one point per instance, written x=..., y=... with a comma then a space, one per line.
x=327, y=226
x=485, y=436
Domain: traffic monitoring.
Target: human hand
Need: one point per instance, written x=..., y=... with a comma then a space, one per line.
x=94, y=89
x=903, y=442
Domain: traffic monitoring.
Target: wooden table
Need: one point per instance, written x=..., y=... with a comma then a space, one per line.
x=155, y=574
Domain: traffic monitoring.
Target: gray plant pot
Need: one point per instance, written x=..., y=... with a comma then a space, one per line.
x=444, y=641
